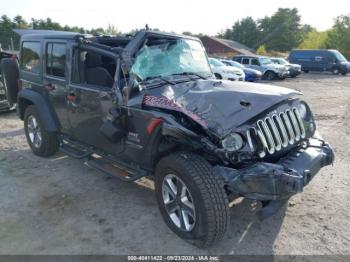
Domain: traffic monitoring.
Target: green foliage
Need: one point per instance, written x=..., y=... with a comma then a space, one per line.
x=244, y=31
x=191, y=34
x=7, y=36
x=261, y=50
x=314, y=40
x=339, y=36
x=280, y=32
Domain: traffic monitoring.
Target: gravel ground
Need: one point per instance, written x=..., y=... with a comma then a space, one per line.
x=60, y=206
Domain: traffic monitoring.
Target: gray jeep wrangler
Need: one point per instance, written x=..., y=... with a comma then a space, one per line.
x=148, y=105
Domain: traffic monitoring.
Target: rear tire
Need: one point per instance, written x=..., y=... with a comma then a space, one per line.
x=10, y=77
x=41, y=142
x=306, y=71
x=206, y=196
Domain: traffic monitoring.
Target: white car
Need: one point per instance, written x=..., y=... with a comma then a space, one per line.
x=222, y=71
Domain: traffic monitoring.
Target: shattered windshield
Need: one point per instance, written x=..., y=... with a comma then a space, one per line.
x=171, y=57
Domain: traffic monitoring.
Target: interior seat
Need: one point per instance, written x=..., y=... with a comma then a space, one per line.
x=95, y=74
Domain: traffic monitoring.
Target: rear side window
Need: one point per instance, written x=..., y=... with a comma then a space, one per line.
x=245, y=61
x=56, y=59
x=237, y=59
x=30, y=57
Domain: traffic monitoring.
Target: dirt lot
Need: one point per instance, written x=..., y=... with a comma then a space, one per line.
x=60, y=206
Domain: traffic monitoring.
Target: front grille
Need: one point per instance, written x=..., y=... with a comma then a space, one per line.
x=277, y=131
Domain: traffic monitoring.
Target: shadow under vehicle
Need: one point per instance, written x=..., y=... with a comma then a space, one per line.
x=149, y=105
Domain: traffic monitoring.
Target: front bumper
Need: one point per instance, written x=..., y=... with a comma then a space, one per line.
x=277, y=181
x=283, y=74
x=294, y=72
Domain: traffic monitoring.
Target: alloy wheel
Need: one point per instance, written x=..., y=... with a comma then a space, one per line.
x=178, y=203
x=34, y=132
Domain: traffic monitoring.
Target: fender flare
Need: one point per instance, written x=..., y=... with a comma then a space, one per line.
x=28, y=97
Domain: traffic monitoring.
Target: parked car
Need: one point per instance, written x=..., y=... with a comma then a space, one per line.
x=251, y=75
x=263, y=64
x=148, y=106
x=7, y=98
x=293, y=69
x=320, y=60
x=222, y=71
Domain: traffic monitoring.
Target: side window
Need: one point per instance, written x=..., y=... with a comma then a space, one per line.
x=30, y=57
x=245, y=61
x=238, y=59
x=56, y=59
x=92, y=68
x=255, y=62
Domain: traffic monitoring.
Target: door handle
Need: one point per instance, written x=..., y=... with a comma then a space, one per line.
x=50, y=87
x=72, y=96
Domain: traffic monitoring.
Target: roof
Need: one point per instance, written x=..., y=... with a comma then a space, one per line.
x=238, y=47
x=252, y=55
x=32, y=33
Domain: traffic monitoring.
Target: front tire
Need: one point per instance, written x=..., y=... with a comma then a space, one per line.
x=41, y=142
x=335, y=71
x=192, y=199
x=269, y=75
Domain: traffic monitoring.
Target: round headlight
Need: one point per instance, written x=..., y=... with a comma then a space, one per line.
x=232, y=142
x=302, y=110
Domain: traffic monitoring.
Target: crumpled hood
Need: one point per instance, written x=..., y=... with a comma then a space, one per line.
x=219, y=106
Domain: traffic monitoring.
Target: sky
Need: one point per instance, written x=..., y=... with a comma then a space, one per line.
x=208, y=17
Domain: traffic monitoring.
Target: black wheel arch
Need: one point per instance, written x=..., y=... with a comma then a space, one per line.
x=28, y=97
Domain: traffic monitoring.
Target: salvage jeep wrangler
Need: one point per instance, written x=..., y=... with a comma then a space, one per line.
x=148, y=105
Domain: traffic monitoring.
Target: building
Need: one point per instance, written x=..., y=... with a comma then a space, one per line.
x=223, y=48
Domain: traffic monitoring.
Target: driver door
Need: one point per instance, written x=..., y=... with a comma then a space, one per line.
x=90, y=96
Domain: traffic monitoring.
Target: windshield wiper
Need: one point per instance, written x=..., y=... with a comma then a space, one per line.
x=158, y=77
x=189, y=74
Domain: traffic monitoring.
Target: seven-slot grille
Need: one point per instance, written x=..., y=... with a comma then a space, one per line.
x=278, y=131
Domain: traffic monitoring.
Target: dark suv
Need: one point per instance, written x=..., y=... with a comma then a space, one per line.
x=8, y=67
x=148, y=106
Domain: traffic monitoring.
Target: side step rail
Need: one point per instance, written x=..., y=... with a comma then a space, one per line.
x=115, y=169
x=74, y=150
